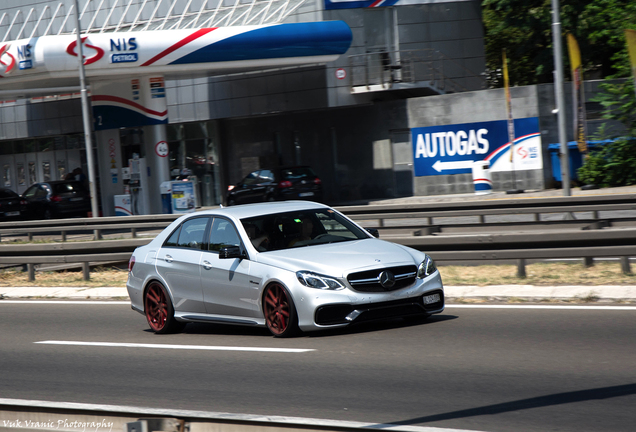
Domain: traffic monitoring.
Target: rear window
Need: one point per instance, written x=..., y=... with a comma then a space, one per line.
x=297, y=173
x=61, y=188
x=4, y=193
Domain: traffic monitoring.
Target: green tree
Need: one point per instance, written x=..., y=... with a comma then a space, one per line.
x=614, y=164
x=524, y=29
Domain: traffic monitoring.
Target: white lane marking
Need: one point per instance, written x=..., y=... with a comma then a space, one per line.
x=560, y=307
x=182, y=347
x=65, y=302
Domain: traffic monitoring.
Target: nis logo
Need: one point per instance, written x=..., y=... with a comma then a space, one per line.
x=123, y=50
x=24, y=57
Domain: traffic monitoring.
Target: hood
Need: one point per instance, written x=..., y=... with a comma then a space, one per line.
x=340, y=259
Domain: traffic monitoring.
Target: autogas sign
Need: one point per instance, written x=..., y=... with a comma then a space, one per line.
x=452, y=149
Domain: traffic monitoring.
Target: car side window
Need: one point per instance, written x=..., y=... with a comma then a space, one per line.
x=41, y=192
x=174, y=238
x=223, y=234
x=266, y=176
x=30, y=192
x=251, y=179
x=191, y=234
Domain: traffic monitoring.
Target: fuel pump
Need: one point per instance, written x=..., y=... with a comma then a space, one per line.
x=135, y=186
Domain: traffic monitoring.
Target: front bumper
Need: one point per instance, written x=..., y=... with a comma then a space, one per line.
x=347, y=313
x=329, y=309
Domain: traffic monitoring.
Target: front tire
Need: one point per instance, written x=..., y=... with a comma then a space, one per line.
x=279, y=310
x=159, y=310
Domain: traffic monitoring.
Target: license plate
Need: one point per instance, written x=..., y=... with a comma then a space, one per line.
x=430, y=299
x=77, y=199
x=305, y=194
x=14, y=213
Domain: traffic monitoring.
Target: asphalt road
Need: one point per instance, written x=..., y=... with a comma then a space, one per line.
x=476, y=369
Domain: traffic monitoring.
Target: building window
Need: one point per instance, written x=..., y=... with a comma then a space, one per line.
x=46, y=170
x=21, y=176
x=6, y=175
x=61, y=169
x=32, y=174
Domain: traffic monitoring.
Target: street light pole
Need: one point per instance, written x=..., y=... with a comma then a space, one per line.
x=560, y=103
x=86, y=116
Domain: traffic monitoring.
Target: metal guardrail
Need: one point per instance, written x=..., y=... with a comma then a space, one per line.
x=590, y=238
x=532, y=206
x=63, y=227
x=30, y=255
x=74, y=417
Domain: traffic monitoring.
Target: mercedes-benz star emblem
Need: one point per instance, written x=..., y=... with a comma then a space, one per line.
x=387, y=279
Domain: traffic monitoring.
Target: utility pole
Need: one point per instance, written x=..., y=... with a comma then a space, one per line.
x=86, y=116
x=560, y=103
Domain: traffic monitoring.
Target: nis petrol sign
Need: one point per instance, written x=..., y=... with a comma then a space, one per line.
x=452, y=149
x=25, y=59
x=123, y=50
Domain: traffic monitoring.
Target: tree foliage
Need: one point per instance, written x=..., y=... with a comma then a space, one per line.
x=614, y=164
x=524, y=29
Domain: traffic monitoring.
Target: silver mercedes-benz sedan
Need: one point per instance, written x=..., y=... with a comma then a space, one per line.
x=288, y=265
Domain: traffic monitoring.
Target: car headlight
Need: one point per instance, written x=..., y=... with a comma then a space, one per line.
x=313, y=280
x=426, y=268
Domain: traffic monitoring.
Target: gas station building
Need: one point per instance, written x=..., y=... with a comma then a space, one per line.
x=210, y=90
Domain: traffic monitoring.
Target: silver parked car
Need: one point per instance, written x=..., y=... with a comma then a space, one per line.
x=287, y=265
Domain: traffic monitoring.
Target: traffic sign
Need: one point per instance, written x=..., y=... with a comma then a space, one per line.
x=161, y=148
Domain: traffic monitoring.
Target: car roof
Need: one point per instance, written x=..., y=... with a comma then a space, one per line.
x=250, y=210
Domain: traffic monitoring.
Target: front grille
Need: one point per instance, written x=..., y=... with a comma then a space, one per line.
x=337, y=313
x=369, y=280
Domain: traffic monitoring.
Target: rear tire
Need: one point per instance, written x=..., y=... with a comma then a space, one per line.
x=159, y=310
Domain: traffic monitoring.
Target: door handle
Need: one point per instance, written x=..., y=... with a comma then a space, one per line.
x=207, y=265
x=169, y=259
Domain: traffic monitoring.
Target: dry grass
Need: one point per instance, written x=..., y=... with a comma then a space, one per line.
x=540, y=274
x=550, y=274
x=100, y=277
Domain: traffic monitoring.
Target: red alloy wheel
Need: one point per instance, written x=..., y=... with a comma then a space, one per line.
x=156, y=307
x=280, y=314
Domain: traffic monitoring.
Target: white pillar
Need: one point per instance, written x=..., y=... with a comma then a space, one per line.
x=157, y=161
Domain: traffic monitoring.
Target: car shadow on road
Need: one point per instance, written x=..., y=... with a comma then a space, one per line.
x=195, y=328
x=381, y=325
x=524, y=404
x=224, y=330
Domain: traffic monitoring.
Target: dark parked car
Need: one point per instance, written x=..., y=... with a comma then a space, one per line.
x=276, y=184
x=11, y=205
x=55, y=199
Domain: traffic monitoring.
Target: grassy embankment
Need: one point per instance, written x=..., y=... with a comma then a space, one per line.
x=545, y=274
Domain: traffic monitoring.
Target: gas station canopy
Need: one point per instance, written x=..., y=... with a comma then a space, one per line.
x=42, y=51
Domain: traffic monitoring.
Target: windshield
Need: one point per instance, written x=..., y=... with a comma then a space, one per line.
x=300, y=228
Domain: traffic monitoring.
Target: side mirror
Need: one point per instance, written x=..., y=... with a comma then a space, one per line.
x=229, y=252
x=374, y=232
